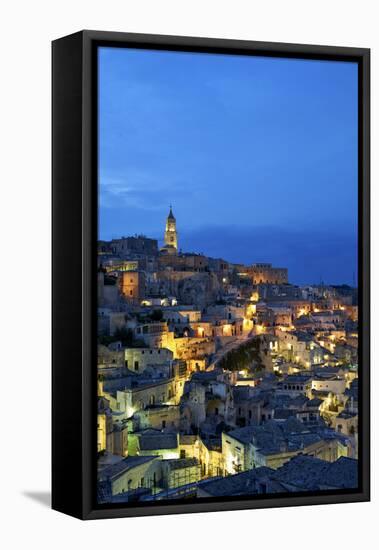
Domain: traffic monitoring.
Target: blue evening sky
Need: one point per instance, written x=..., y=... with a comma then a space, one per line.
x=258, y=157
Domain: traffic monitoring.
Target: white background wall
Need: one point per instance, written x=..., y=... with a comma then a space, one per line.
x=26, y=31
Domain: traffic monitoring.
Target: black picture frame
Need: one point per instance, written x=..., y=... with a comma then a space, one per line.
x=74, y=206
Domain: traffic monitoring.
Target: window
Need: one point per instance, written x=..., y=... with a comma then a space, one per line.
x=182, y=453
x=136, y=365
x=163, y=424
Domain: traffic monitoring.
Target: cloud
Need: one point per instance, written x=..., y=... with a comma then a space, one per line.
x=143, y=191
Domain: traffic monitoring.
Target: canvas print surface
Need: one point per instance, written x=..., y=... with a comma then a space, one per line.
x=227, y=276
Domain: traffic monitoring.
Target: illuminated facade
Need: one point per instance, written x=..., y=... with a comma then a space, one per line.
x=263, y=273
x=132, y=286
x=170, y=235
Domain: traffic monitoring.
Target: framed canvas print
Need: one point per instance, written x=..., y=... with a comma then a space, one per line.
x=210, y=275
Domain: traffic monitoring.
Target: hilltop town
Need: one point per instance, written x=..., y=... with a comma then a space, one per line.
x=220, y=379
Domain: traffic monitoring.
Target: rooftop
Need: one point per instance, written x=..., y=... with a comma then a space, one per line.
x=309, y=473
x=115, y=470
x=238, y=484
x=159, y=441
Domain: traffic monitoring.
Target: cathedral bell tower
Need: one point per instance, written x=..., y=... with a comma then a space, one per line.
x=171, y=235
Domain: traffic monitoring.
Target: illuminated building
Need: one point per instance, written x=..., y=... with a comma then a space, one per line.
x=170, y=235
x=262, y=273
x=132, y=286
x=137, y=359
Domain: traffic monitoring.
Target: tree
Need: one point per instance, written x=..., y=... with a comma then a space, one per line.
x=241, y=357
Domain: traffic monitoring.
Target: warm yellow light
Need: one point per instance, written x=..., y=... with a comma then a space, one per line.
x=227, y=330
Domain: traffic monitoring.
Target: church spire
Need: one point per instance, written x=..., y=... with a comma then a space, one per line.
x=171, y=235
x=171, y=215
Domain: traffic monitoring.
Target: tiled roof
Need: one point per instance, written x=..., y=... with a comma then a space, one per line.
x=238, y=484
x=309, y=473
x=158, y=441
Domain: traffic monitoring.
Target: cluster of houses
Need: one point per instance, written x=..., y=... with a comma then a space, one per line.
x=218, y=379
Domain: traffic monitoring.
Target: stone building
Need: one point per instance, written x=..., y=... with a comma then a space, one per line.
x=112, y=434
x=159, y=417
x=155, y=335
x=273, y=444
x=137, y=359
x=262, y=273
x=132, y=286
x=132, y=473
x=134, y=399
x=127, y=247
